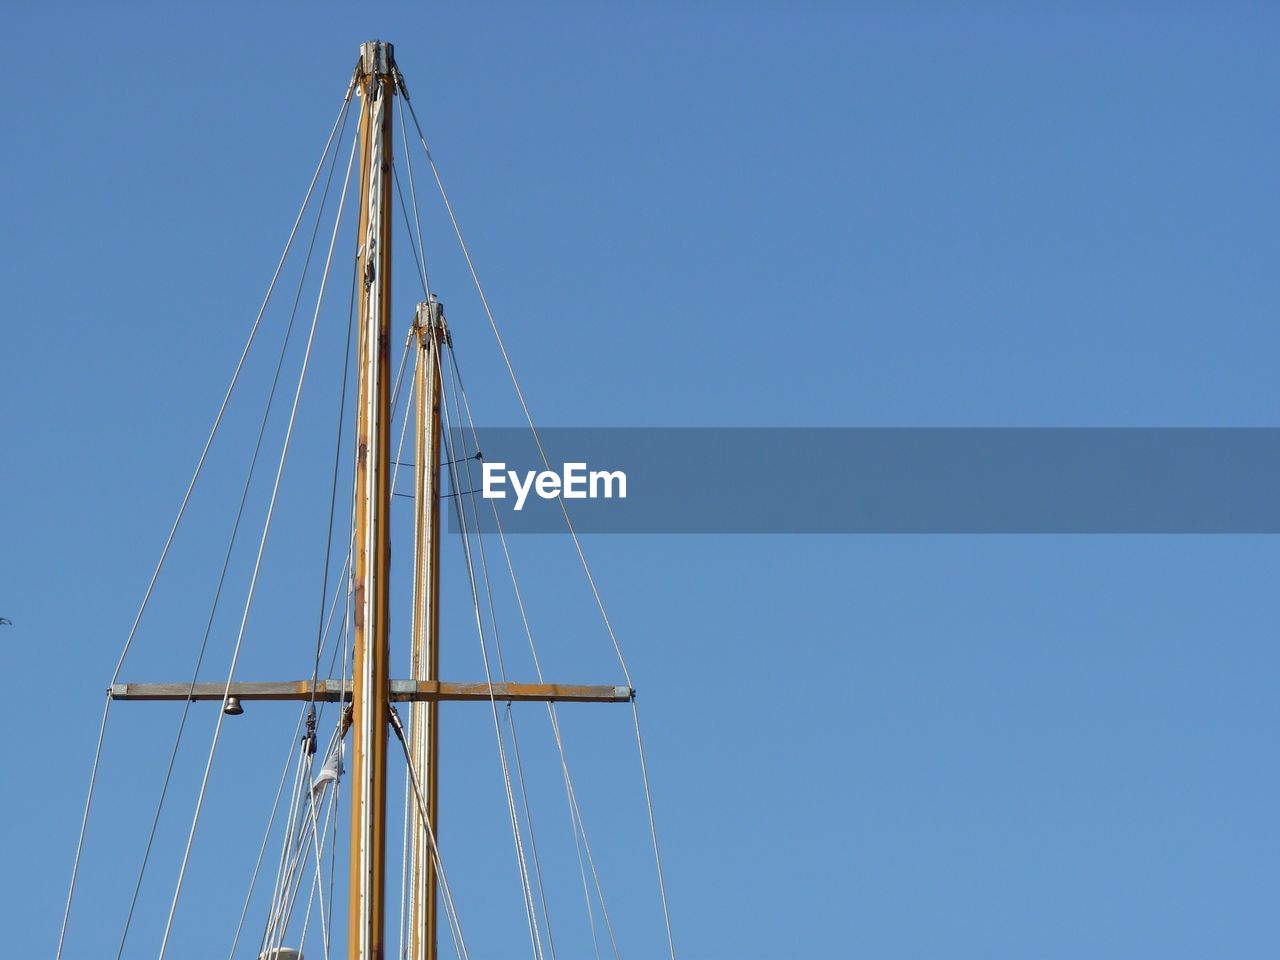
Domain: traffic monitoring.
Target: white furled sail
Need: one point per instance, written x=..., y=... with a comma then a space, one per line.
x=331, y=771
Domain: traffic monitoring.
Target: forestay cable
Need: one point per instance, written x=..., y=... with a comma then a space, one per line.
x=261, y=551
x=182, y=508
x=226, y=561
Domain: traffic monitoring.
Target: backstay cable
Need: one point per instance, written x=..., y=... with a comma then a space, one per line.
x=497, y=641
x=586, y=567
x=526, y=889
x=575, y=813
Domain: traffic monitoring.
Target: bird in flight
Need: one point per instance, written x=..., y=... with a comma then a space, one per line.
x=5, y=622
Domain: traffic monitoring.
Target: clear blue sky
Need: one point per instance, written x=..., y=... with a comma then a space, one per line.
x=738, y=214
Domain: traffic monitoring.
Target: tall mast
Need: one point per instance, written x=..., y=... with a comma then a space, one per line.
x=429, y=333
x=372, y=690
x=371, y=686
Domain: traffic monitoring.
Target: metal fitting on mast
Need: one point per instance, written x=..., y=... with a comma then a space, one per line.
x=430, y=320
x=377, y=59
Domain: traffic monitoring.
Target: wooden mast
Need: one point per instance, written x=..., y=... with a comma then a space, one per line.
x=372, y=691
x=429, y=333
x=372, y=543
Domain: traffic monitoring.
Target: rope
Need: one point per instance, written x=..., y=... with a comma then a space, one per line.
x=261, y=551
x=586, y=567
x=164, y=552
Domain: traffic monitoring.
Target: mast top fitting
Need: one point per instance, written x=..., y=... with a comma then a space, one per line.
x=429, y=322
x=377, y=58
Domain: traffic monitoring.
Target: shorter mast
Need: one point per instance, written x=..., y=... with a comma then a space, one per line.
x=429, y=332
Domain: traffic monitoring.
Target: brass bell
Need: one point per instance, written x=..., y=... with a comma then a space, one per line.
x=232, y=707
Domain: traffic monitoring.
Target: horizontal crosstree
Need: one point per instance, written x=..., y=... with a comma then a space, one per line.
x=332, y=691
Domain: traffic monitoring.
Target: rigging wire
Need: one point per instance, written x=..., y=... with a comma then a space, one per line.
x=182, y=508
x=282, y=912
x=308, y=835
x=333, y=862
x=420, y=267
x=317, y=890
x=575, y=813
x=284, y=870
x=343, y=582
x=302, y=714
x=402, y=943
x=528, y=819
x=337, y=457
x=493, y=619
x=317, y=846
x=317, y=842
x=295, y=848
x=289, y=877
x=586, y=567
x=261, y=551
x=395, y=473
x=526, y=889
x=226, y=562
x=422, y=247
x=451, y=911
x=284, y=775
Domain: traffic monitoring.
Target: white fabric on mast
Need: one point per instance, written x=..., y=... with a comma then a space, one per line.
x=331, y=770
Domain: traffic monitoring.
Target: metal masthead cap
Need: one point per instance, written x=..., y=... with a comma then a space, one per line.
x=377, y=57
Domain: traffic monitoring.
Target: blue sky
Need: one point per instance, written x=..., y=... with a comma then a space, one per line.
x=710, y=214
